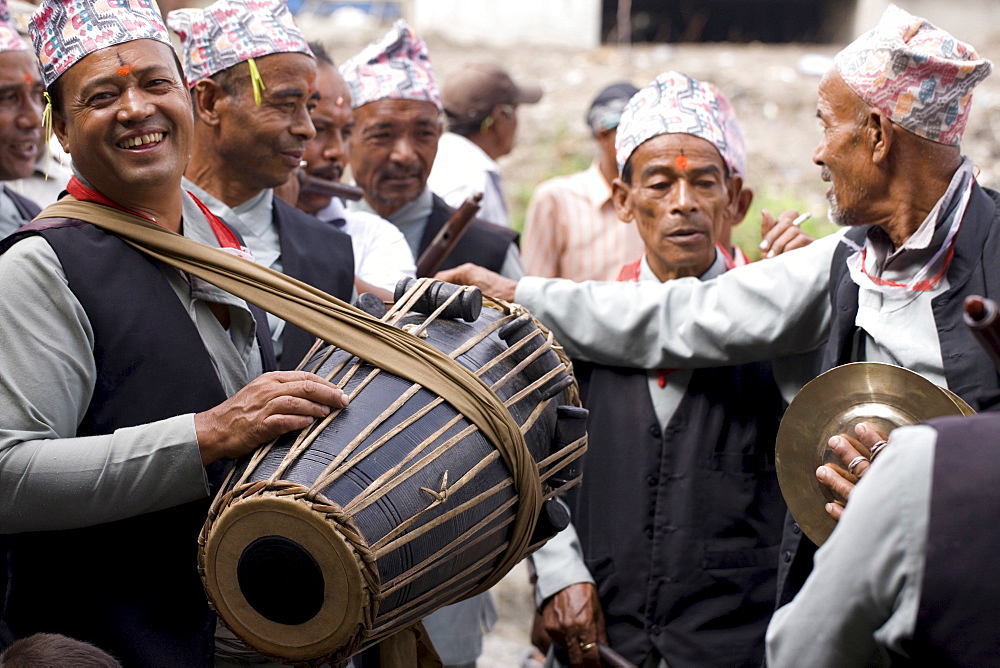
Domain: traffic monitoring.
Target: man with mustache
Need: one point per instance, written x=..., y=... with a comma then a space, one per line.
x=922, y=236
x=381, y=256
x=21, y=90
x=680, y=530
x=252, y=102
x=125, y=385
x=397, y=113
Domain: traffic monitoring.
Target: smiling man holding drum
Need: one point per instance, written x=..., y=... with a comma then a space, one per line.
x=116, y=372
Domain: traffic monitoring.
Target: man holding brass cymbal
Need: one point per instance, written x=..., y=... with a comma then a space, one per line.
x=922, y=235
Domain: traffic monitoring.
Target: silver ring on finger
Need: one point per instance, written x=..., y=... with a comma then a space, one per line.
x=877, y=448
x=854, y=463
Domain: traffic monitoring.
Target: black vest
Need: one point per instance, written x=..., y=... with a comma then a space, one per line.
x=974, y=270
x=483, y=243
x=680, y=529
x=130, y=586
x=315, y=253
x=956, y=622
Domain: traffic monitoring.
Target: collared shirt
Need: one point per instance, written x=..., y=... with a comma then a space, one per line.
x=462, y=169
x=41, y=457
x=381, y=254
x=254, y=222
x=411, y=219
x=899, y=325
x=864, y=592
x=572, y=230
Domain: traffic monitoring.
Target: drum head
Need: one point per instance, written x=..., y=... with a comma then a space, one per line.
x=834, y=403
x=285, y=579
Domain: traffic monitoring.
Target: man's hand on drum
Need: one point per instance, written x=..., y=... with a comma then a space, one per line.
x=779, y=235
x=574, y=621
x=492, y=284
x=855, y=453
x=272, y=404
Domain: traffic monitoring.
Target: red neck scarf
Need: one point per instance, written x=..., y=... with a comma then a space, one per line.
x=223, y=234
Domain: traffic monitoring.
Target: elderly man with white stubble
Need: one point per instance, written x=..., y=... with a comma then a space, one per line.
x=920, y=235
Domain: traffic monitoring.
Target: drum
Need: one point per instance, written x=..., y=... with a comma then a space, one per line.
x=328, y=541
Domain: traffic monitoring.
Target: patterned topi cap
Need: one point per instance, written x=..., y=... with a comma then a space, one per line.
x=229, y=32
x=64, y=32
x=916, y=74
x=737, y=148
x=674, y=103
x=10, y=40
x=396, y=67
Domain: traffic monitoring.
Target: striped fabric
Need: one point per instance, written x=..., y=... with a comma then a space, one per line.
x=572, y=230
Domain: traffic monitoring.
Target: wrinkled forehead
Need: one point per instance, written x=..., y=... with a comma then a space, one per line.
x=677, y=151
x=397, y=113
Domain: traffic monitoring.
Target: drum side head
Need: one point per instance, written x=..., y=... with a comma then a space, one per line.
x=834, y=403
x=286, y=580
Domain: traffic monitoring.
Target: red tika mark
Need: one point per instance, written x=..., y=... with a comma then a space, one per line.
x=28, y=79
x=681, y=162
x=124, y=70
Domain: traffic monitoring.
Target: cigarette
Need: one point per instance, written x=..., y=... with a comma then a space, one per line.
x=801, y=219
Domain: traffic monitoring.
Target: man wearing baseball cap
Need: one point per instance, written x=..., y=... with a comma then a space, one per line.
x=480, y=102
x=571, y=229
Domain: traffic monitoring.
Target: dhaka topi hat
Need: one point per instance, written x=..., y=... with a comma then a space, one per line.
x=64, y=32
x=606, y=109
x=10, y=40
x=396, y=67
x=230, y=32
x=673, y=103
x=737, y=148
x=916, y=74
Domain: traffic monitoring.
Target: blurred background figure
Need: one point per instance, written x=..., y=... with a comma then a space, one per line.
x=572, y=229
x=480, y=102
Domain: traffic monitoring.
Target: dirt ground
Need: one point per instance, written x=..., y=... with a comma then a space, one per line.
x=773, y=90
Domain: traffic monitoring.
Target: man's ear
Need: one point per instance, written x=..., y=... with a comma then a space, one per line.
x=621, y=197
x=881, y=129
x=208, y=96
x=59, y=130
x=740, y=199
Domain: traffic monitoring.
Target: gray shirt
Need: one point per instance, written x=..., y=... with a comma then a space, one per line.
x=864, y=591
x=49, y=477
x=253, y=220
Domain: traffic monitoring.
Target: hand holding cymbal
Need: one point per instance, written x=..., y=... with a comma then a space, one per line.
x=856, y=455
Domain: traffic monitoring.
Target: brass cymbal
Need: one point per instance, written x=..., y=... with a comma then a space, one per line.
x=834, y=403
